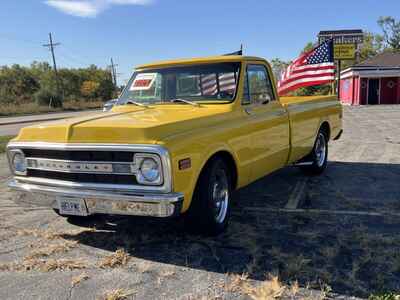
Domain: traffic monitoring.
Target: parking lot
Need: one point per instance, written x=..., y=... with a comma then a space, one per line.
x=337, y=234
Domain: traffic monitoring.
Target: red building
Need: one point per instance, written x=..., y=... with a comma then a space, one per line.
x=374, y=81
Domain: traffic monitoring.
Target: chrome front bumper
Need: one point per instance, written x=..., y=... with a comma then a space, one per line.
x=100, y=202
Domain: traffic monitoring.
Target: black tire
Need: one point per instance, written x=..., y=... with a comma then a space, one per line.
x=214, y=186
x=318, y=156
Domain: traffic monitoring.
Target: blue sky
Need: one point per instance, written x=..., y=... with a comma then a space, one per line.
x=139, y=31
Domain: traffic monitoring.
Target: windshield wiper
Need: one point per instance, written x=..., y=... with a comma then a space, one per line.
x=136, y=103
x=185, y=101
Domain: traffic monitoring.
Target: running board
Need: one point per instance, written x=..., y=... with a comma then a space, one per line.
x=304, y=163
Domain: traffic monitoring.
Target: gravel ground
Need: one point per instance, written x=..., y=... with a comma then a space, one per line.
x=336, y=235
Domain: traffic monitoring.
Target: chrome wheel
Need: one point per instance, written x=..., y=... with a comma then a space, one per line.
x=220, y=194
x=320, y=150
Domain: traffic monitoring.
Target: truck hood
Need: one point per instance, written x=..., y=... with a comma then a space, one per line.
x=125, y=125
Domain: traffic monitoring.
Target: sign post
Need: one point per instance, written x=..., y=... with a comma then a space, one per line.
x=345, y=46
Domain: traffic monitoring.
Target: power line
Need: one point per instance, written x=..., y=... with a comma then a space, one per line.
x=82, y=56
x=72, y=58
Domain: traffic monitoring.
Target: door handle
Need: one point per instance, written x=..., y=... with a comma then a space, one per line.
x=248, y=110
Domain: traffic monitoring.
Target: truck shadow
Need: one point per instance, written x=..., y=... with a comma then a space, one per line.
x=346, y=234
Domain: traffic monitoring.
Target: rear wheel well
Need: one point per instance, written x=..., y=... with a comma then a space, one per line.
x=326, y=129
x=230, y=162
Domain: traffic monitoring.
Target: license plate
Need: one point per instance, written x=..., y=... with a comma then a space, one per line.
x=72, y=206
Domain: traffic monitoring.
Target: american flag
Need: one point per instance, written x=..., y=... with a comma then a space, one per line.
x=210, y=86
x=311, y=68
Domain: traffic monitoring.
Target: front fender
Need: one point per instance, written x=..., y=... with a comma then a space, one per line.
x=199, y=153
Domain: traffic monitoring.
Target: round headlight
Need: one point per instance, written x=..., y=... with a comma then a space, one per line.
x=18, y=162
x=150, y=169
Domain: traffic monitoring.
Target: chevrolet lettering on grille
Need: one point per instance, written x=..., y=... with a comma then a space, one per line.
x=80, y=166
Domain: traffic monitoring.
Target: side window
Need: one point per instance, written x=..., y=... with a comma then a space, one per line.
x=259, y=87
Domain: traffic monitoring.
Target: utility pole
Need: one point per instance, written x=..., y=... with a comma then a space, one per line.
x=51, y=46
x=114, y=72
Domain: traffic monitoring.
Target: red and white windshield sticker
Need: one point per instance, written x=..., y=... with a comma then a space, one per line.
x=143, y=81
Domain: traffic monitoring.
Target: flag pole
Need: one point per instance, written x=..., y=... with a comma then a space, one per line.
x=339, y=66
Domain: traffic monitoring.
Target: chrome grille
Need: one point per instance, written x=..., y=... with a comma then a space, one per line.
x=68, y=166
x=93, y=153
x=90, y=167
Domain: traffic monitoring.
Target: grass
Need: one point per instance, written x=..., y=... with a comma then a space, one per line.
x=269, y=289
x=51, y=249
x=385, y=296
x=273, y=288
x=33, y=108
x=3, y=142
x=118, y=259
x=118, y=294
x=44, y=265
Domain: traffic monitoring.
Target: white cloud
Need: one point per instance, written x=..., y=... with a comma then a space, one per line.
x=90, y=8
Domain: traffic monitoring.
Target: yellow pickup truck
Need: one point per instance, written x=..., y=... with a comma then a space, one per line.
x=183, y=135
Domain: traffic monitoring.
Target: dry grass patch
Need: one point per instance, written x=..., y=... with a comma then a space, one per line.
x=118, y=294
x=44, y=265
x=118, y=259
x=52, y=249
x=48, y=234
x=294, y=289
x=270, y=289
x=78, y=279
x=235, y=282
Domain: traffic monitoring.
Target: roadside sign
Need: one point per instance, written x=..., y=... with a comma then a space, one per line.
x=347, y=36
x=344, y=51
x=346, y=42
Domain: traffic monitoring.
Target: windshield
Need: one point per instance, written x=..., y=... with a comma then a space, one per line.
x=211, y=82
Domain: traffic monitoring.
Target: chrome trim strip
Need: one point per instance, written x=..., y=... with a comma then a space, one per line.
x=82, y=164
x=156, y=149
x=125, y=188
x=157, y=205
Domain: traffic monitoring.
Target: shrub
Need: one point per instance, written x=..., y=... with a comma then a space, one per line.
x=46, y=97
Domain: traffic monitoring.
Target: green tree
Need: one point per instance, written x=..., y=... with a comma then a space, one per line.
x=309, y=46
x=37, y=82
x=278, y=66
x=391, y=32
x=89, y=88
x=372, y=45
x=17, y=84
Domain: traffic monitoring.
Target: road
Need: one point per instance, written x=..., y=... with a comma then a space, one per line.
x=338, y=231
x=12, y=125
